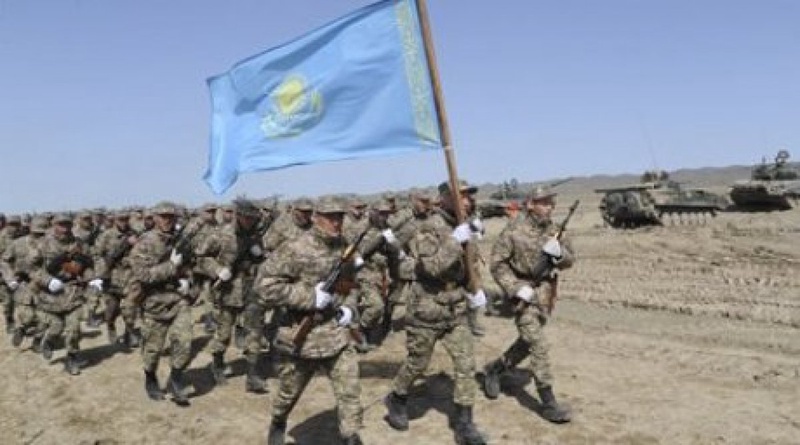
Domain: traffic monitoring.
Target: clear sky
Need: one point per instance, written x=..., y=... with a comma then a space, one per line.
x=104, y=102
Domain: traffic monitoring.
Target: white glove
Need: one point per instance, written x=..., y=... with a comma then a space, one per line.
x=13, y=284
x=388, y=235
x=97, y=283
x=321, y=298
x=358, y=262
x=463, y=233
x=553, y=248
x=224, y=274
x=344, y=316
x=401, y=254
x=478, y=227
x=55, y=285
x=526, y=293
x=478, y=299
x=176, y=258
x=256, y=250
x=183, y=286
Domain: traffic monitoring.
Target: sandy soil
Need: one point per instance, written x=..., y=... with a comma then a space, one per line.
x=686, y=334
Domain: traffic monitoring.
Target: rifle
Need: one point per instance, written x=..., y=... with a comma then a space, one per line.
x=69, y=266
x=181, y=243
x=543, y=269
x=334, y=281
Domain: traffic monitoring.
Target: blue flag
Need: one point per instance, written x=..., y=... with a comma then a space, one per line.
x=357, y=87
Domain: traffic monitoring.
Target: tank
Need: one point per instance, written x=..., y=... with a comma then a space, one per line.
x=654, y=200
x=774, y=186
x=508, y=199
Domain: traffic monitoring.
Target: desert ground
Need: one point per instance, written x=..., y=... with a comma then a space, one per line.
x=680, y=334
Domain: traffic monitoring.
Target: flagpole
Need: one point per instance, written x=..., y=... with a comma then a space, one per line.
x=444, y=129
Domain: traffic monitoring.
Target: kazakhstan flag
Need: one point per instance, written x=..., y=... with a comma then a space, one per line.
x=357, y=87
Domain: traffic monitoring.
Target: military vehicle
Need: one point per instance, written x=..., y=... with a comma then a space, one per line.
x=508, y=199
x=771, y=186
x=655, y=197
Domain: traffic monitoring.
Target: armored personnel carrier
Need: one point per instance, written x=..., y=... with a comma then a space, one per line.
x=771, y=186
x=653, y=199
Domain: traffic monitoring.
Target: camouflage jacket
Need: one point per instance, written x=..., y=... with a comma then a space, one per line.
x=154, y=277
x=112, y=264
x=352, y=227
x=517, y=250
x=87, y=236
x=287, y=278
x=284, y=228
x=19, y=261
x=55, y=253
x=438, y=295
x=229, y=247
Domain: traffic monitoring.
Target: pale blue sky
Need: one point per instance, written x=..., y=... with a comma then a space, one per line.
x=104, y=102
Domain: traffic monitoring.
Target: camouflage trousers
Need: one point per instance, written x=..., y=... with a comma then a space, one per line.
x=179, y=333
x=6, y=296
x=342, y=370
x=54, y=324
x=457, y=341
x=226, y=319
x=93, y=298
x=531, y=342
x=26, y=317
x=254, y=316
x=370, y=305
x=117, y=304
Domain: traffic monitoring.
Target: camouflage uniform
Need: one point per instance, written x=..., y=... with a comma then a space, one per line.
x=87, y=232
x=514, y=255
x=19, y=261
x=61, y=308
x=437, y=312
x=287, y=279
x=113, y=266
x=200, y=230
x=7, y=235
x=162, y=287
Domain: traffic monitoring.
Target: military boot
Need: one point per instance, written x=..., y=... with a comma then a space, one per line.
x=36, y=346
x=18, y=337
x=71, y=364
x=355, y=439
x=111, y=333
x=240, y=337
x=397, y=406
x=551, y=410
x=277, y=432
x=217, y=367
x=151, y=386
x=474, y=324
x=465, y=429
x=10, y=323
x=209, y=324
x=254, y=382
x=134, y=337
x=47, y=348
x=93, y=320
x=491, y=378
x=177, y=387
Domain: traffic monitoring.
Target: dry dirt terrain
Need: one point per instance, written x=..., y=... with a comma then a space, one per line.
x=668, y=335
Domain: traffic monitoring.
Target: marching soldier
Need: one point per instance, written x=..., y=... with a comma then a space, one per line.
x=162, y=286
x=355, y=220
x=293, y=278
x=62, y=281
x=8, y=233
x=437, y=311
x=514, y=256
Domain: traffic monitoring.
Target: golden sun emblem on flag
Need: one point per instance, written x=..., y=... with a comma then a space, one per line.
x=295, y=108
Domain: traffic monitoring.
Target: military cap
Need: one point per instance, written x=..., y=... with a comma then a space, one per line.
x=303, y=204
x=121, y=213
x=165, y=208
x=62, y=218
x=14, y=219
x=330, y=204
x=85, y=214
x=209, y=207
x=246, y=207
x=422, y=194
x=541, y=192
x=382, y=206
x=464, y=187
x=357, y=202
x=39, y=225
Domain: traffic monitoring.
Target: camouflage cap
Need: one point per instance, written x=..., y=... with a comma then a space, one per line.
x=464, y=187
x=246, y=207
x=330, y=204
x=39, y=225
x=541, y=192
x=303, y=204
x=382, y=206
x=357, y=202
x=61, y=218
x=164, y=208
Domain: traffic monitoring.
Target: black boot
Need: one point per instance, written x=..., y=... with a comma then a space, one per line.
x=466, y=431
x=397, y=406
x=551, y=410
x=18, y=337
x=9, y=324
x=134, y=337
x=47, y=348
x=474, y=324
x=254, y=383
x=277, y=432
x=355, y=439
x=218, y=368
x=240, y=337
x=36, y=346
x=93, y=320
x=177, y=387
x=71, y=364
x=151, y=386
x=491, y=378
x=112, y=334
x=209, y=324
